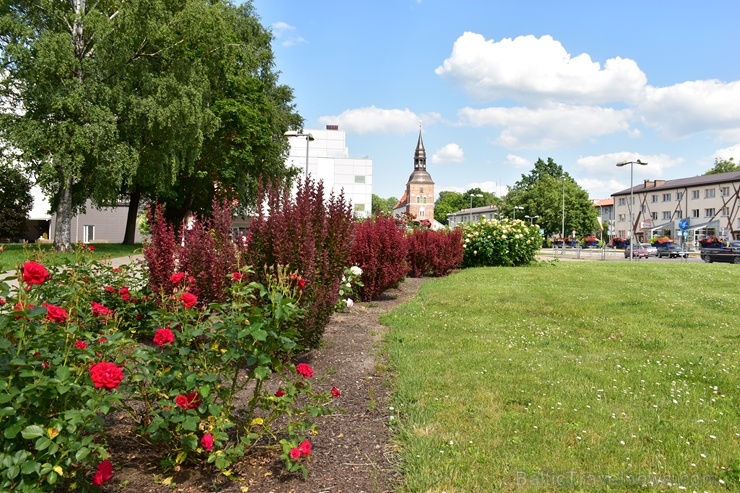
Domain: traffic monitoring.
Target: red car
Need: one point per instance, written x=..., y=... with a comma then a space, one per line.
x=640, y=251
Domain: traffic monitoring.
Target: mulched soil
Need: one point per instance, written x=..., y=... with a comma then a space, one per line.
x=353, y=452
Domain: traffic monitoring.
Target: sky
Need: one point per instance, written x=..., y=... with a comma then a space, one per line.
x=495, y=85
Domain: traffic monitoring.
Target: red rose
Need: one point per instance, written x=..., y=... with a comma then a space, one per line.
x=46, y=364
x=55, y=313
x=102, y=340
x=301, y=283
x=177, y=277
x=80, y=344
x=106, y=375
x=335, y=392
x=99, y=310
x=104, y=473
x=188, y=299
x=188, y=401
x=305, y=448
x=2, y=301
x=124, y=293
x=207, y=442
x=237, y=276
x=304, y=370
x=91, y=248
x=110, y=289
x=162, y=337
x=295, y=453
x=34, y=273
x=279, y=393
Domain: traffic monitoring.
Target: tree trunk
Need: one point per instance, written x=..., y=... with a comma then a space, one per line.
x=63, y=221
x=129, y=236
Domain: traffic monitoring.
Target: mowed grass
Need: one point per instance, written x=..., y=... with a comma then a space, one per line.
x=570, y=376
x=15, y=254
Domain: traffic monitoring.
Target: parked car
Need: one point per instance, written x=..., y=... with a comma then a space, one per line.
x=652, y=250
x=672, y=251
x=730, y=253
x=639, y=252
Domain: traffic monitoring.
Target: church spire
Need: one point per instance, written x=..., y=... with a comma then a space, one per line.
x=420, y=156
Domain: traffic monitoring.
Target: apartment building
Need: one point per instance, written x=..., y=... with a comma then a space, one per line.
x=324, y=156
x=685, y=209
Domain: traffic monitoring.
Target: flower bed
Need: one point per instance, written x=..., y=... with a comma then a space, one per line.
x=711, y=242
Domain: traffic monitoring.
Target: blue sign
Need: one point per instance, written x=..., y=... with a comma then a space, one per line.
x=683, y=224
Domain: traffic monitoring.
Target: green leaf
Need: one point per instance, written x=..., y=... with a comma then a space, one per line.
x=82, y=453
x=30, y=467
x=13, y=471
x=191, y=423
x=261, y=372
x=32, y=431
x=62, y=373
x=259, y=335
x=42, y=443
x=63, y=389
x=12, y=431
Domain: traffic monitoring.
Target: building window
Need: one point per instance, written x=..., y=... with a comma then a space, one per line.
x=359, y=178
x=421, y=190
x=621, y=217
x=724, y=191
x=695, y=194
x=694, y=212
x=359, y=207
x=424, y=199
x=654, y=215
x=666, y=197
x=421, y=212
x=679, y=196
x=418, y=199
x=709, y=193
x=654, y=197
x=667, y=215
x=725, y=211
x=622, y=201
x=679, y=214
x=88, y=233
x=709, y=212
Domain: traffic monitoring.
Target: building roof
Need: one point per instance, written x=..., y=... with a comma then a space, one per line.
x=694, y=181
x=420, y=174
x=603, y=202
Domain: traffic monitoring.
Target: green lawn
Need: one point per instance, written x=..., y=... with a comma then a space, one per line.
x=575, y=376
x=14, y=254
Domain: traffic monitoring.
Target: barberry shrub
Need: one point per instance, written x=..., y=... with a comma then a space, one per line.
x=434, y=253
x=160, y=251
x=500, y=243
x=310, y=234
x=379, y=248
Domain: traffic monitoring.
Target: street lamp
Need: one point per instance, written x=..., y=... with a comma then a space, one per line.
x=562, y=227
x=531, y=218
x=517, y=207
x=470, y=212
x=309, y=138
x=632, y=203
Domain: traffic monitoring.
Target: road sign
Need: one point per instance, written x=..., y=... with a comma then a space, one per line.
x=683, y=224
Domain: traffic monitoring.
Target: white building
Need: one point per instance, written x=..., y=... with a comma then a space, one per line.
x=324, y=155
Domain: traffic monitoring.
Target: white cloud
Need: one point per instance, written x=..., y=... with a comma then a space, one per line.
x=694, y=106
x=485, y=186
x=517, y=161
x=284, y=32
x=556, y=125
x=451, y=153
x=532, y=69
x=371, y=119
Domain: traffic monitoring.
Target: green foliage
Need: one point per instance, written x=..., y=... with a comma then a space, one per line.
x=173, y=368
x=383, y=206
x=547, y=192
x=723, y=166
x=496, y=243
x=557, y=381
x=450, y=202
x=15, y=201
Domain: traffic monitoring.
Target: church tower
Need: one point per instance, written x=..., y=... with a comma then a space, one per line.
x=419, y=193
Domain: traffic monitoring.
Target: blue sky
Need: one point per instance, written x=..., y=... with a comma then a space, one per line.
x=495, y=85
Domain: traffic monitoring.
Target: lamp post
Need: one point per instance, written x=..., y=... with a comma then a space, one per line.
x=309, y=137
x=531, y=218
x=515, y=208
x=632, y=202
x=562, y=226
x=470, y=212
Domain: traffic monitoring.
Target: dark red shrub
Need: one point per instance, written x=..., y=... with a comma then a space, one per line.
x=434, y=253
x=379, y=248
x=309, y=234
x=160, y=251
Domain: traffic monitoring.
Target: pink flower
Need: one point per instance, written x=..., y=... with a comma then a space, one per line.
x=304, y=370
x=104, y=473
x=34, y=273
x=335, y=392
x=164, y=336
x=207, y=442
x=295, y=453
x=305, y=448
x=188, y=300
x=55, y=313
x=80, y=344
x=188, y=401
x=106, y=375
x=177, y=277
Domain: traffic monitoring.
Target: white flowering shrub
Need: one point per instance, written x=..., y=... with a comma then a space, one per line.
x=505, y=242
